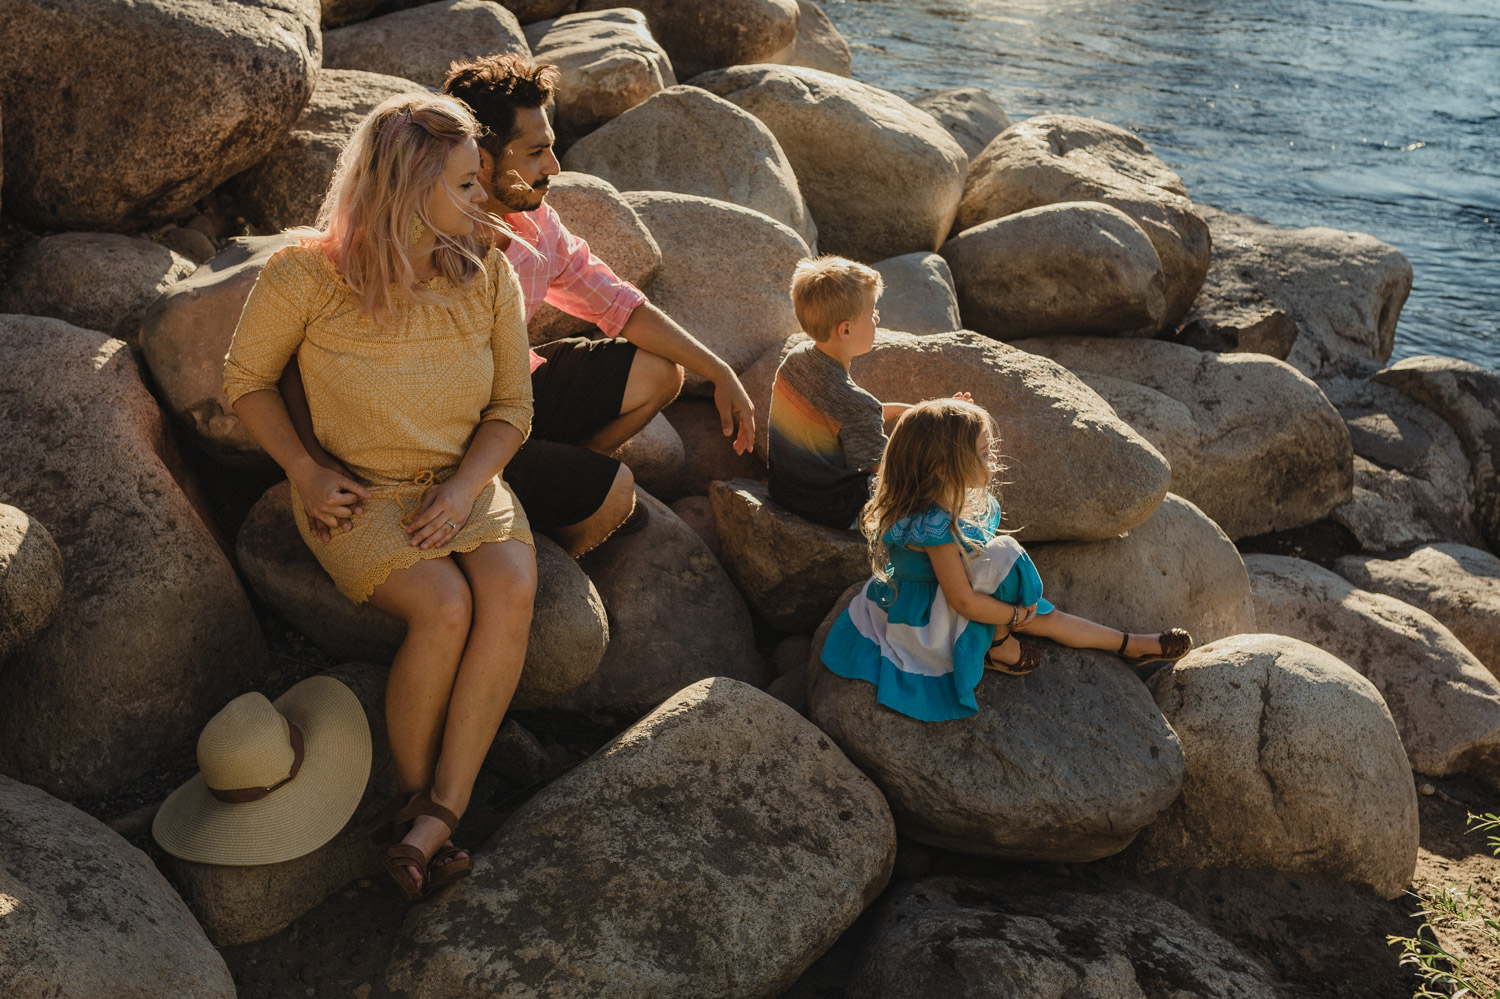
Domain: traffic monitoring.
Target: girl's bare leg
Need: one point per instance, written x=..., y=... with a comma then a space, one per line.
x=502, y=581
x=1081, y=633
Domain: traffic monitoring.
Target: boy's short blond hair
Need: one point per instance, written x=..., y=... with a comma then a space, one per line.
x=829, y=290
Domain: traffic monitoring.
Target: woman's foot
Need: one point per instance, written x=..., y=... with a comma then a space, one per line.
x=1009, y=655
x=1139, y=649
x=428, y=836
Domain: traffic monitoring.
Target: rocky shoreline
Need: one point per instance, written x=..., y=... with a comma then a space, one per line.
x=1197, y=407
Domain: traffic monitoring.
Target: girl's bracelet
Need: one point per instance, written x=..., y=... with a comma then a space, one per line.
x=1015, y=614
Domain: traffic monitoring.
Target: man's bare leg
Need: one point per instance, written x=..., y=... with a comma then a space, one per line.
x=589, y=533
x=653, y=382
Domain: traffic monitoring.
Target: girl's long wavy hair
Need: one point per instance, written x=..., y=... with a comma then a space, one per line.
x=385, y=178
x=933, y=458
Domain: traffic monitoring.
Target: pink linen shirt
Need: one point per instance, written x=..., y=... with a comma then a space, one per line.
x=558, y=268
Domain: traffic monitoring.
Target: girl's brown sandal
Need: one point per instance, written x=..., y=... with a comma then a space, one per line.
x=1029, y=660
x=1175, y=643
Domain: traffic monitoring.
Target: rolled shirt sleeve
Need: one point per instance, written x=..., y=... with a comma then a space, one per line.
x=584, y=286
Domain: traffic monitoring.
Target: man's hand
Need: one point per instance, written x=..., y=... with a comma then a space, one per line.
x=330, y=496
x=734, y=405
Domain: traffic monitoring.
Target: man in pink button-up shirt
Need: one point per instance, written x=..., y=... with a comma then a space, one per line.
x=591, y=395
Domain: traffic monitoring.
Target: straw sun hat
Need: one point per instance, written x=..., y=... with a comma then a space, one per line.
x=260, y=798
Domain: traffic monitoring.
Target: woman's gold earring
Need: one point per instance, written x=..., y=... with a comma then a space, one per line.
x=416, y=228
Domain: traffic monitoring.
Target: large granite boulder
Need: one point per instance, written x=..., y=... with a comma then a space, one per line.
x=724, y=275
x=609, y=63
x=674, y=616
x=858, y=152
x=96, y=280
x=154, y=633
x=701, y=35
x=789, y=569
x=1458, y=585
x=593, y=211
x=1177, y=569
x=87, y=915
x=1057, y=157
x=919, y=296
x=1468, y=397
x=1342, y=290
x=1251, y=441
x=419, y=44
x=119, y=114
x=31, y=581
x=688, y=141
x=1412, y=481
x=1058, y=438
x=969, y=114
x=1067, y=763
x=712, y=851
x=337, y=12
x=961, y=938
x=239, y=905
x=656, y=456
x=1445, y=703
x=1293, y=764
x=288, y=187
x=569, y=632
x=1082, y=267
x=708, y=455
x=185, y=335
x=819, y=45
x=531, y=11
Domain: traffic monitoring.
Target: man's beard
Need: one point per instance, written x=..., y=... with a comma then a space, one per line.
x=519, y=196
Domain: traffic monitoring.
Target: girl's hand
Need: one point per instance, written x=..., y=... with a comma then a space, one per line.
x=1027, y=616
x=330, y=497
x=442, y=515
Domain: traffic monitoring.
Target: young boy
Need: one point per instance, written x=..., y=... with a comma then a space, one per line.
x=827, y=433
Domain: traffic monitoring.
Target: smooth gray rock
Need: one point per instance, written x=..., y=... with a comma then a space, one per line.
x=1293, y=764
x=1457, y=584
x=655, y=456
x=288, y=186
x=712, y=851
x=120, y=114
x=154, y=633
x=420, y=43
x=789, y=569
x=701, y=35
x=686, y=140
x=31, y=581
x=1176, y=569
x=1058, y=158
x=1251, y=441
x=87, y=915
x=674, y=616
x=707, y=454
x=1445, y=703
x=1068, y=763
x=609, y=63
x=969, y=114
x=968, y=939
x=95, y=280
x=1343, y=291
x=1081, y=267
x=919, y=295
x=568, y=637
x=857, y=152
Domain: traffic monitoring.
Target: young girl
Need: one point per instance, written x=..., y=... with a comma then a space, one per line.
x=956, y=591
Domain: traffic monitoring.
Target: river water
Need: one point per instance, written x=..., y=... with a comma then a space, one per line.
x=1381, y=116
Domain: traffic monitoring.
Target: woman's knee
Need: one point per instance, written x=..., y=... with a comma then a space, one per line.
x=448, y=607
x=504, y=578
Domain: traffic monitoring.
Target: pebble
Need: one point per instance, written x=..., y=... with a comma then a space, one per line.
x=1427, y=789
x=362, y=990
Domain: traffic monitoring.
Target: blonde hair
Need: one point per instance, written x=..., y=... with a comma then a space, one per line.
x=384, y=180
x=830, y=290
x=931, y=459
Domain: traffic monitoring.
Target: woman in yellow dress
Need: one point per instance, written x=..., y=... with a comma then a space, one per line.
x=410, y=333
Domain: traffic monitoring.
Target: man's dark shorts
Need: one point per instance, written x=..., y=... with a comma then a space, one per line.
x=578, y=390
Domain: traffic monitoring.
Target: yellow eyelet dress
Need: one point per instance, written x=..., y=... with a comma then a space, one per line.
x=391, y=402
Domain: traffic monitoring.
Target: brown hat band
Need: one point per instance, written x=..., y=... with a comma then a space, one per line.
x=240, y=795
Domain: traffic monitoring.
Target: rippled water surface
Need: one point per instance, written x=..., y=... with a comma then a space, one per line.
x=1381, y=116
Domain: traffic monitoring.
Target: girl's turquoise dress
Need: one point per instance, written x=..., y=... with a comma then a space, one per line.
x=923, y=658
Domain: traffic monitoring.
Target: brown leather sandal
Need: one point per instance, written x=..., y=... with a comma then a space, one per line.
x=400, y=856
x=399, y=859
x=1029, y=660
x=1175, y=643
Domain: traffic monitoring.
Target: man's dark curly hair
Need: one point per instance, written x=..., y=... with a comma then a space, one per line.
x=495, y=88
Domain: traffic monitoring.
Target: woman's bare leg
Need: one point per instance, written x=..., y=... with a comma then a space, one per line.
x=1081, y=633
x=502, y=581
